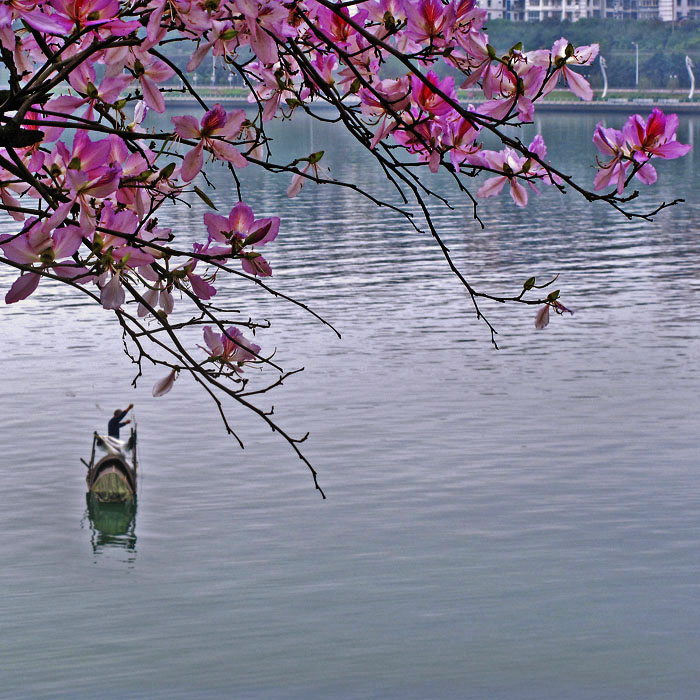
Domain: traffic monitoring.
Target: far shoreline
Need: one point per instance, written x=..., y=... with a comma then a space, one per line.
x=597, y=105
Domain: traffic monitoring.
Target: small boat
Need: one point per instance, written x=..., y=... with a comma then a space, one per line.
x=112, y=479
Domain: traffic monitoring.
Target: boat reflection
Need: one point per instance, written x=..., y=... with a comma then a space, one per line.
x=112, y=525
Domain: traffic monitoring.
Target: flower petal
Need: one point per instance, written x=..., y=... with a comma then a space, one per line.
x=542, y=318
x=164, y=385
x=22, y=287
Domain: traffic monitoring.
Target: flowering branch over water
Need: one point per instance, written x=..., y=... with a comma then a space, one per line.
x=84, y=178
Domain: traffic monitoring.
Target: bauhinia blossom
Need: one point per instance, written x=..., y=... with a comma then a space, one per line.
x=243, y=233
x=230, y=348
x=633, y=147
x=215, y=125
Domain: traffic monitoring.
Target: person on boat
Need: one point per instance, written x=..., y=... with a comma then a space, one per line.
x=115, y=421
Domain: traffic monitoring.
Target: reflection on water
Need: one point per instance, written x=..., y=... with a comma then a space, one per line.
x=112, y=524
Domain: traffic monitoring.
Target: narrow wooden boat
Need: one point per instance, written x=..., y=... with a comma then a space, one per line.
x=112, y=478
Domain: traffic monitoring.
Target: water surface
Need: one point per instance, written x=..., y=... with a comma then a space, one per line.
x=514, y=524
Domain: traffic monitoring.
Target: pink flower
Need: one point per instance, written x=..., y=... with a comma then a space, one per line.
x=511, y=164
x=157, y=295
x=149, y=72
x=655, y=137
x=231, y=348
x=638, y=141
x=562, y=56
x=516, y=90
x=428, y=100
x=320, y=172
x=33, y=246
x=87, y=178
x=200, y=286
x=334, y=25
x=429, y=21
x=240, y=230
x=215, y=125
x=123, y=248
x=422, y=138
x=611, y=143
x=460, y=139
x=265, y=20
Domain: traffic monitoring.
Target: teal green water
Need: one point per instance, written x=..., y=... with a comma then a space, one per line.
x=507, y=525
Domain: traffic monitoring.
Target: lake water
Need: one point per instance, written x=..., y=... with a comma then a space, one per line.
x=512, y=524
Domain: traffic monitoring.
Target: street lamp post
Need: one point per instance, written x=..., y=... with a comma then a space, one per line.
x=636, y=64
x=601, y=60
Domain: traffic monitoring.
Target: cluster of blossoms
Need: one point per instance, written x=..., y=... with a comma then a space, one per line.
x=630, y=150
x=84, y=176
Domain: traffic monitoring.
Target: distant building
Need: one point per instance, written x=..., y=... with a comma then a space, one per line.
x=573, y=10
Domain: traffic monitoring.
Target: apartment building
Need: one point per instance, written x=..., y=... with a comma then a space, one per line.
x=573, y=10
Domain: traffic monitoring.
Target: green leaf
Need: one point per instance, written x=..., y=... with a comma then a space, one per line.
x=145, y=175
x=554, y=295
x=167, y=171
x=205, y=198
x=529, y=284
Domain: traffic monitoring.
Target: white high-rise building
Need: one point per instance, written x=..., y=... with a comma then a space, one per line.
x=573, y=10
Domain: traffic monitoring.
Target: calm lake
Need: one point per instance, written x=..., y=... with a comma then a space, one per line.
x=515, y=524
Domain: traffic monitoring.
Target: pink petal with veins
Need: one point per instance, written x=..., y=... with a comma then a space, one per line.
x=241, y=218
x=192, y=163
x=150, y=297
x=257, y=266
x=578, y=84
x=113, y=294
x=213, y=341
x=202, y=289
x=217, y=226
x=672, y=149
x=518, y=192
x=151, y=94
x=234, y=122
x=166, y=301
x=67, y=240
x=262, y=44
x=22, y=287
x=47, y=25
x=164, y=385
x=230, y=153
x=492, y=186
x=198, y=56
x=542, y=318
x=647, y=174
x=186, y=126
